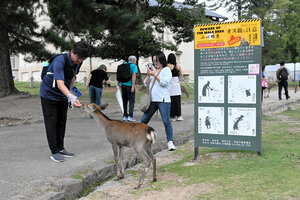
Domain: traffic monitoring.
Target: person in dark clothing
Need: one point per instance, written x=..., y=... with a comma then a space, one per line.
x=282, y=75
x=55, y=94
x=128, y=90
x=175, y=89
x=95, y=84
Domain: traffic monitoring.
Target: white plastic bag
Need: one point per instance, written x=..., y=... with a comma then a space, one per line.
x=119, y=99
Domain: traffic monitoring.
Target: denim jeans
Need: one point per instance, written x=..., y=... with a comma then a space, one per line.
x=164, y=109
x=284, y=84
x=95, y=94
x=128, y=96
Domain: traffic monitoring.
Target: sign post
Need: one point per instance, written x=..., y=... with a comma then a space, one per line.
x=228, y=85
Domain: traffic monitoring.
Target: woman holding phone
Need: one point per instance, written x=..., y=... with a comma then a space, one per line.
x=160, y=94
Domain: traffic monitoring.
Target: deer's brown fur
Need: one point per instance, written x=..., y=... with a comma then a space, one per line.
x=121, y=134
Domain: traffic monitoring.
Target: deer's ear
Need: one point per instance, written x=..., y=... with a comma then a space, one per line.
x=94, y=108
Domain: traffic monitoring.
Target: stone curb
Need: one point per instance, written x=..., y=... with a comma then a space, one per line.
x=280, y=107
x=69, y=188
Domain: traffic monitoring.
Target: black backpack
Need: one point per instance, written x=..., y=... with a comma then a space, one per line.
x=123, y=73
x=47, y=63
x=284, y=74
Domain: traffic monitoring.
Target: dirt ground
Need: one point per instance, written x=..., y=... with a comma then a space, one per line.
x=168, y=185
x=20, y=109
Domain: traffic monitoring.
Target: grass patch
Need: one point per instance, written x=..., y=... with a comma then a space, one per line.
x=77, y=176
x=110, y=162
x=25, y=87
x=133, y=172
x=80, y=174
x=88, y=190
x=266, y=118
x=294, y=114
x=274, y=175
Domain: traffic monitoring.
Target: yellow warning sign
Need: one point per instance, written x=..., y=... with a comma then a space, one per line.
x=228, y=34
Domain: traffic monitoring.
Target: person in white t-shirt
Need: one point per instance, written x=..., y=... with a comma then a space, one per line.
x=160, y=94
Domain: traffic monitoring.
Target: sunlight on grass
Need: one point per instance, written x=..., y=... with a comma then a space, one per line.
x=294, y=113
x=274, y=175
x=25, y=87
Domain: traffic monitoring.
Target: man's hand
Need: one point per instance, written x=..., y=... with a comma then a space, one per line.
x=132, y=89
x=77, y=104
x=73, y=100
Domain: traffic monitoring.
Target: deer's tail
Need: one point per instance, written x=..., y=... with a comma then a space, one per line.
x=151, y=134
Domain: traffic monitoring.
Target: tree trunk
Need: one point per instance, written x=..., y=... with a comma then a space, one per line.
x=7, y=86
x=239, y=9
x=138, y=7
x=139, y=79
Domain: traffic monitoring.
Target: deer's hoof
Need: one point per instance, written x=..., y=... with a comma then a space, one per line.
x=117, y=178
x=137, y=187
x=121, y=176
x=154, y=179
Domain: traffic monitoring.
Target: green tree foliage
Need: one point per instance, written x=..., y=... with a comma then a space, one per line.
x=284, y=22
x=237, y=7
x=281, y=22
x=19, y=33
x=120, y=28
x=114, y=28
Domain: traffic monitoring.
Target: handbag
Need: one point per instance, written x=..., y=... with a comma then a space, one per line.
x=264, y=83
x=146, y=99
x=145, y=102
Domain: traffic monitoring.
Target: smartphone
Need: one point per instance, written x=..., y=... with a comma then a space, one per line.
x=150, y=66
x=76, y=91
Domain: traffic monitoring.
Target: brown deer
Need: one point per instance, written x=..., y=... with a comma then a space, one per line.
x=296, y=88
x=121, y=134
x=269, y=88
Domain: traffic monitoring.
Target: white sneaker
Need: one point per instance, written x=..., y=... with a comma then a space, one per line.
x=131, y=119
x=179, y=118
x=171, y=146
x=125, y=119
x=173, y=119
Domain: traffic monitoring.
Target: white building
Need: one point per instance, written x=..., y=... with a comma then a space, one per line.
x=293, y=68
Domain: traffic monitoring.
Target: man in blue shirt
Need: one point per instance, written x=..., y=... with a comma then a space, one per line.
x=55, y=95
x=128, y=91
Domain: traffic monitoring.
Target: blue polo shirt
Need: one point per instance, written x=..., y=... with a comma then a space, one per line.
x=133, y=69
x=48, y=88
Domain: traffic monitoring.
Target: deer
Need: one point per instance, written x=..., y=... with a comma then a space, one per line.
x=269, y=88
x=122, y=134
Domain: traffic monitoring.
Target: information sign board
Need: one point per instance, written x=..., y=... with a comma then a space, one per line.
x=228, y=86
x=228, y=34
